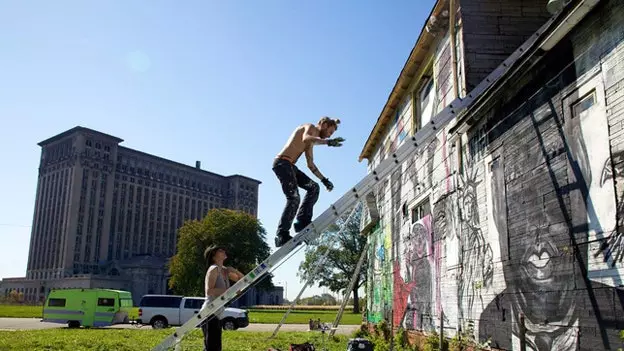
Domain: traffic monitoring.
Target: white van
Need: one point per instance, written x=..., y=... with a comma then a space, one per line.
x=162, y=311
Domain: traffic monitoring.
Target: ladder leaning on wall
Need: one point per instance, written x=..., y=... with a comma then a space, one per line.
x=359, y=192
x=313, y=230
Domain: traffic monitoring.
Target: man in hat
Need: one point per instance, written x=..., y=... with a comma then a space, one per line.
x=302, y=140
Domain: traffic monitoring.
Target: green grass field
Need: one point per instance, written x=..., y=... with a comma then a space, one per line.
x=255, y=315
x=302, y=316
x=145, y=339
x=21, y=311
x=27, y=311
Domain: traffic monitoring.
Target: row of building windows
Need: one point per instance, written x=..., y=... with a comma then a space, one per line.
x=181, y=179
x=50, y=222
x=145, y=220
x=98, y=149
x=58, y=152
x=157, y=185
x=98, y=145
x=94, y=187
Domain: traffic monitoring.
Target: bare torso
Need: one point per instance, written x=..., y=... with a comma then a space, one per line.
x=295, y=146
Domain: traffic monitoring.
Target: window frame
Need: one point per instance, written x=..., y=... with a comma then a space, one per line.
x=419, y=202
x=424, y=79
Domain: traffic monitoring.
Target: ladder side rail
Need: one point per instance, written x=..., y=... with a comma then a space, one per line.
x=453, y=110
x=310, y=232
x=350, y=288
x=307, y=234
x=319, y=264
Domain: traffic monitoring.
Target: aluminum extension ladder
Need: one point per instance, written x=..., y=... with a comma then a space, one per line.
x=314, y=229
x=357, y=193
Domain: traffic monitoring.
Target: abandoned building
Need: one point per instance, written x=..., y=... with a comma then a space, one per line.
x=506, y=223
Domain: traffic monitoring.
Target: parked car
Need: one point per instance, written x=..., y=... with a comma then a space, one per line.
x=87, y=307
x=161, y=311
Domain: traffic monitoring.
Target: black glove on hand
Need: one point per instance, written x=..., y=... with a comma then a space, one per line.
x=328, y=184
x=335, y=142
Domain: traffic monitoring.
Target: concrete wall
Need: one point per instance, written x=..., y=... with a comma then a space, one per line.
x=528, y=220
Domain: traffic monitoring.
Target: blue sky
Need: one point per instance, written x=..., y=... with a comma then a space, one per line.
x=220, y=82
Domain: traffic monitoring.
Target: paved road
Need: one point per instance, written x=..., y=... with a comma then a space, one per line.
x=35, y=323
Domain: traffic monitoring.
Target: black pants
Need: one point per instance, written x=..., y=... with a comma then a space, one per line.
x=291, y=177
x=212, y=334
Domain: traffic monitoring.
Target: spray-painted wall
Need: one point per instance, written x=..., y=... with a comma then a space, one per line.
x=529, y=220
x=414, y=179
x=379, y=284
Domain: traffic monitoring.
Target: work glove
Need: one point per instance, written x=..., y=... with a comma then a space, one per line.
x=335, y=142
x=328, y=184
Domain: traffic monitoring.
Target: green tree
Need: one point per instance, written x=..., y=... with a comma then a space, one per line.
x=345, y=248
x=242, y=235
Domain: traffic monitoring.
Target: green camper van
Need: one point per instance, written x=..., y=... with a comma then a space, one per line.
x=87, y=307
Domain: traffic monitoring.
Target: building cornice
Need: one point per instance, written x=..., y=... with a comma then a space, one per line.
x=78, y=129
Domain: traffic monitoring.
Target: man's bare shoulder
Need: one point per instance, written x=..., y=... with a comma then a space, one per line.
x=309, y=127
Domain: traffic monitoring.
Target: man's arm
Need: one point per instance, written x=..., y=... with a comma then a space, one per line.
x=310, y=159
x=312, y=167
x=234, y=274
x=310, y=138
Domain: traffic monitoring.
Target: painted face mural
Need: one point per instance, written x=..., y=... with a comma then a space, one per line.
x=546, y=206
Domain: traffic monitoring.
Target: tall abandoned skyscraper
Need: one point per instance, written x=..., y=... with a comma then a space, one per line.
x=106, y=215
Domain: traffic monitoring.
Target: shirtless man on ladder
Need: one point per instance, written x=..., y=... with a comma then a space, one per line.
x=302, y=139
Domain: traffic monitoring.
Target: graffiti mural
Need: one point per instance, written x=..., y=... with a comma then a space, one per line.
x=423, y=171
x=611, y=250
x=431, y=149
x=417, y=268
x=379, y=284
x=548, y=204
x=414, y=277
x=516, y=235
x=396, y=213
x=475, y=251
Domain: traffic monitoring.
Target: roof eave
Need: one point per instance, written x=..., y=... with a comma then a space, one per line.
x=421, y=45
